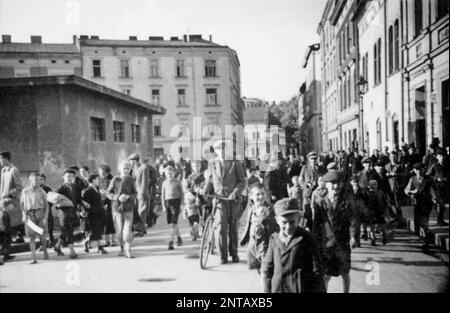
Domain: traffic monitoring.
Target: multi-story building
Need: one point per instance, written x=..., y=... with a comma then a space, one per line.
x=18, y=59
x=426, y=72
x=340, y=70
x=256, y=126
x=310, y=105
x=191, y=78
x=379, y=24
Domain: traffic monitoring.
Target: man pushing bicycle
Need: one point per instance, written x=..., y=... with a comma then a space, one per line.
x=228, y=178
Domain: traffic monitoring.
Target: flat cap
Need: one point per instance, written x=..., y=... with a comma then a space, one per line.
x=332, y=177
x=366, y=160
x=134, y=156
x=332, y=166
x=418, y=166
x=312, y=154
x=286, y=206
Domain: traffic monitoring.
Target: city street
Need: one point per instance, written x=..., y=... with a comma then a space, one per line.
x=402, y=268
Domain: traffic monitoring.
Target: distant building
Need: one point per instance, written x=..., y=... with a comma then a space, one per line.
x=37, y=58
x=256, y=123
x=189, y=77
x=310, y=104
x=51, y=123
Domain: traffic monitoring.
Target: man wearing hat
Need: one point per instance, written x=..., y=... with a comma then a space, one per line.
x=308, y=178
x=420, y=189
x=340, y=211
x=365, y=174
x=291, y=264
x=140, y=175
x=439, y=173
x=228, y=179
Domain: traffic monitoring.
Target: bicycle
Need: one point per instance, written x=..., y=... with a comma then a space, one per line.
x=208, y=239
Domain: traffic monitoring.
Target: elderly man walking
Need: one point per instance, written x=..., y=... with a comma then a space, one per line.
x=228, y=178
x=140, y=175
x=308, y=178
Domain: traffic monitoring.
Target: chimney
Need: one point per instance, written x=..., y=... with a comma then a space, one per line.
x=95, y=37
x=6, y=38
x=132, y=37
x=210, y=38
x=36, y=39
x=185, y=38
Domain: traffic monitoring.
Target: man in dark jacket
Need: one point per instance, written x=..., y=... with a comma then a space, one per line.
x=291, y=264
x=276, y=181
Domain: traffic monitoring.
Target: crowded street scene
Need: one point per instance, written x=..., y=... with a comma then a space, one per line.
x=138, y=165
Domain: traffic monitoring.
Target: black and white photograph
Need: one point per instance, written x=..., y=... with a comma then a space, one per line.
x=236, y=148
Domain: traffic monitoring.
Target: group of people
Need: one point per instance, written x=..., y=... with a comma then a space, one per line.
x=304, y=215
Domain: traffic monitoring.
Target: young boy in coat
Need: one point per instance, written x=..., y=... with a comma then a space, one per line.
x=378, y=205
x=291, y=264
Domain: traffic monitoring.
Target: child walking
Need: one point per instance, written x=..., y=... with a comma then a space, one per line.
x=261, y=224
x=35, y=210
x=194, y=200
x=172, y=196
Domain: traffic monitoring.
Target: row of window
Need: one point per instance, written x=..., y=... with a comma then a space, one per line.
x=98, y=131
x=125, y=68
x=348, y=140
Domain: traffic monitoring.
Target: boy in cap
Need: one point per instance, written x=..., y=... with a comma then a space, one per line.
x=291, y=264
x=340, y=210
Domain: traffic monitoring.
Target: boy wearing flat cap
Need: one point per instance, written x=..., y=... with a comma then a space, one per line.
x=423, y=195
x=292, y=261
x=340, y=210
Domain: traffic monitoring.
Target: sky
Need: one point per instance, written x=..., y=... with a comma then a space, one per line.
x=270, y=36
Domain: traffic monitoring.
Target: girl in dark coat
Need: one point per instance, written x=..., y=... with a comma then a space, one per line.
x=92, y=199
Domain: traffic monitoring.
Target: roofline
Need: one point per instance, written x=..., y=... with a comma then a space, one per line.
x=83, y=83
x=149, y=43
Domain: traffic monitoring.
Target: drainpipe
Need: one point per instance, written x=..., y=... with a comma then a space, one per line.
x=402, y=114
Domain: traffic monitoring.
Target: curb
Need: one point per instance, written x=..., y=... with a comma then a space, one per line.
x=439, y=235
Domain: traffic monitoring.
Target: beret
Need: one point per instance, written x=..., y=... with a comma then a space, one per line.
x=286, y=206
x=418, y=166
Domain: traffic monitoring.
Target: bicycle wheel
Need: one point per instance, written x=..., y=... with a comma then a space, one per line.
x=207, y=242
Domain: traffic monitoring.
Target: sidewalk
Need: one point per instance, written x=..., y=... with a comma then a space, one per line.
x=439, y=235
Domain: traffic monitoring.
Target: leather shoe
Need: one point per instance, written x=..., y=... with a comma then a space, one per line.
x=224, y=261
x=235, y=259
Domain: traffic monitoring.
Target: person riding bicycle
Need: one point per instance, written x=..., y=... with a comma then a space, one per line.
x=228, y=178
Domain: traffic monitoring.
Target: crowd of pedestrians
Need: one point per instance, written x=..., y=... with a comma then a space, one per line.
x=304, y=215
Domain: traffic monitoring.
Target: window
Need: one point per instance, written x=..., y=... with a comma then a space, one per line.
x=367, y=67
x=418, y=18
x=96, y=68
x=154, y=68
x=211, y=96
x=180, y=68
x=210, y=68
x=181, y=97
x=135, y=133
x=396, y=45
x=155, y=97
x=157, y=128
x=125, y=68
x=391, y=49
x=348, y=38
x=97, y=129
x=126, y=90
x=442, y=8
x=119, y=131
x=377, y=62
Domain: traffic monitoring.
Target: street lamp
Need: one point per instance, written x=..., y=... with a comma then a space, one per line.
x=362, y=88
